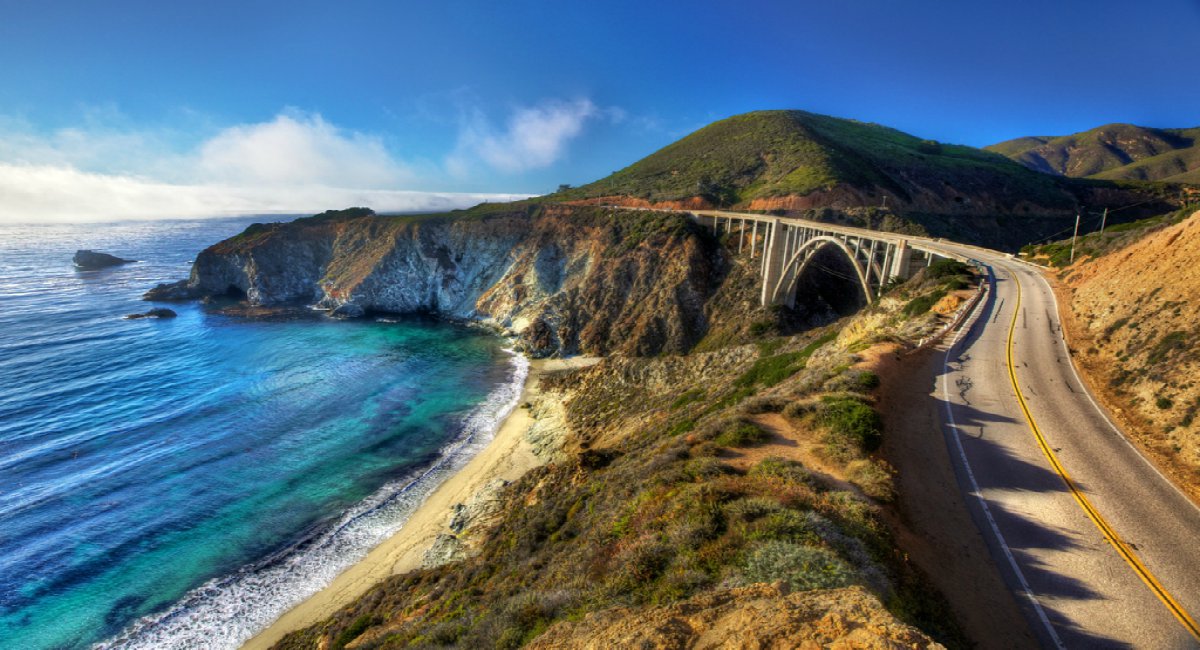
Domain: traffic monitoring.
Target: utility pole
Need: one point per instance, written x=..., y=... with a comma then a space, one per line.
x=1103, y=220
x=1075, y=236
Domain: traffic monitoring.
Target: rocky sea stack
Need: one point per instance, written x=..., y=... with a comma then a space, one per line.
x=89, y=259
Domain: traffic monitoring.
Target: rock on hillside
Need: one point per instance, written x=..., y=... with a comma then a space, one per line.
x=568, y=279
x=1112, y=151
x=1135, y=321
x=760, y=616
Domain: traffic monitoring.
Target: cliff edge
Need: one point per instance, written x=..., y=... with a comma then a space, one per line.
x=565, y=279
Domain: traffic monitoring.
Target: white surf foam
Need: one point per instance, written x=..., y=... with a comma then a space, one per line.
x=226, y=612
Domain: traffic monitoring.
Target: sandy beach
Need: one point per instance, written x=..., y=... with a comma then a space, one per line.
x=508, y=456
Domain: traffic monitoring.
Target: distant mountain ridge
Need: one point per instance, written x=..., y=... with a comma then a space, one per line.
x=796, y=160
x=868, y=175
x=1112, y=152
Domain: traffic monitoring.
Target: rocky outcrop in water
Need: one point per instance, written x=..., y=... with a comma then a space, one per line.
x=566, y=279
x=89, y=259
x=157, y=312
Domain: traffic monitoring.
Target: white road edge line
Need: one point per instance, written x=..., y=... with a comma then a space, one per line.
x=1062, y=336
x=1008, y=554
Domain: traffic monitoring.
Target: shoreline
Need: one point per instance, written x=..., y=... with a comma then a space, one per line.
x=508, y=456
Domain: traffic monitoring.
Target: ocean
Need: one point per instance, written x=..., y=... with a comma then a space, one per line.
x=180, y=483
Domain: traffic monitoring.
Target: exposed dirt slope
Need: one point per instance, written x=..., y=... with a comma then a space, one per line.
x=761, y=616
x=1133, y=316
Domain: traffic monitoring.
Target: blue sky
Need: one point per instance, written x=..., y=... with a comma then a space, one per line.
x=149, y=108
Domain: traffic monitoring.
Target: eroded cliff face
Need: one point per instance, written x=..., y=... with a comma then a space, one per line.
x=566, y=279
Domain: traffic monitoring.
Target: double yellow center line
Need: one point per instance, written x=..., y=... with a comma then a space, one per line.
x=1106, y=530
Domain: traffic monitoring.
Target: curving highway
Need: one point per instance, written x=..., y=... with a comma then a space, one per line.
x=1098, y=546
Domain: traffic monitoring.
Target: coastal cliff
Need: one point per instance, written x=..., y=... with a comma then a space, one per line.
x=565, y=279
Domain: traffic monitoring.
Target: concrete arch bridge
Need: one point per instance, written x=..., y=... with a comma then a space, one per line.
x=787, y=248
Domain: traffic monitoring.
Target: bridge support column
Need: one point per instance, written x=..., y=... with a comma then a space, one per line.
x=901, y=261
x=773, y=261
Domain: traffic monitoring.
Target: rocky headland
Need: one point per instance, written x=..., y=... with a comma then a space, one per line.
x=565, y=279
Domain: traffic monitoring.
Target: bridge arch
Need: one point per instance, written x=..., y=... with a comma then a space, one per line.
x=802, y=259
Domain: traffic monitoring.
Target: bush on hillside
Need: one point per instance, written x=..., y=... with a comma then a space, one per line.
x=801, y=567
x=740, y=433
x=873, y=477
x=852, y=427
x=922, y=304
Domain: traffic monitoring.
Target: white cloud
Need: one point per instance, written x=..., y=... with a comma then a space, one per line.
x=92, y=147
x=105, y=168
x=534, y=137
x=297, y=149
x=296, y=162
x=46, y=193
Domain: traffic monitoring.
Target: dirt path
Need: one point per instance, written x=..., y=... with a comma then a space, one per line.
x=930, y=519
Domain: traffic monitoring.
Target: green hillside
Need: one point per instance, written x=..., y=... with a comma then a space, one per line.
x=1013, y=148
x=794, y=153
x=1112, y=152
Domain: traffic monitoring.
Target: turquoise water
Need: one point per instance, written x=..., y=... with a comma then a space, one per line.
x=180, y=483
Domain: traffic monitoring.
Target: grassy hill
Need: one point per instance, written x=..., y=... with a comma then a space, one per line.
x=756, y=159
x=1112, y=152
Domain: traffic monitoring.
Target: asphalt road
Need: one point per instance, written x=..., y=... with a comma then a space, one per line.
x=1127, y=574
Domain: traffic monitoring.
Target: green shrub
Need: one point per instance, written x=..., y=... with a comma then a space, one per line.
x=1164, y=403
x=768, y=371
x=687, y=397
x=956, y=283
x=762, y=328
x=354, y=630
x=1167, y=344
x=874, y=478
x=922, y=304
x=803, y=527
x=740, y=433
x=820, y=342
x=639, y=564
x=852, y=427
x=1116, y=325
x=946, y=267
x=752, y=508
x=801, y=567
x=683, y=426
x=798, y=409
x=868, y=380
x=763, y=404
x=855, y=381
x=781, y=468
x=703, y=468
